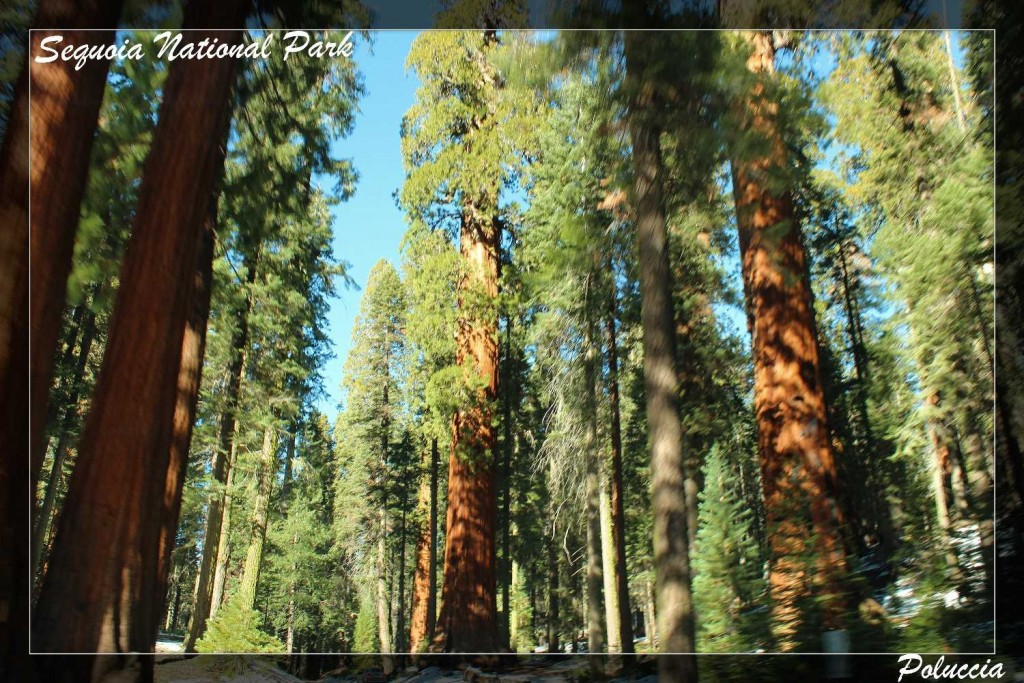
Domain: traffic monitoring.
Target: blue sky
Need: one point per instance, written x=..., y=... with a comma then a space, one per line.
x=369, y=226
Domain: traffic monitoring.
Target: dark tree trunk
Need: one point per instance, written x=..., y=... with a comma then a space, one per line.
x=65, y=106
x=468, y=619
x=506, y=489
x=797, y=460
x=435, y=465
x=617, y=493
x=595, y=575
x=661, y=381
x=400, y=630
x=193, y=351
x=552, y=623
x=942, y=486
x=106, y=564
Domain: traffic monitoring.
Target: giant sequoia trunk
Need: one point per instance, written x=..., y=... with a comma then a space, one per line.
x=468, y=619
x=51, y=165
x=193, y=350
x=661, y=380
x=797, y=464
x=65, y=104
x=99, y=594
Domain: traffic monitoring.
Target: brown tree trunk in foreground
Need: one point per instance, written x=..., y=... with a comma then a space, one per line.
x=424, y=589
x=65, y=105
x=193, y=350
x=797, y=463
x=661, y=382
x=98, y=595
x=617, y=493
x=468, y=620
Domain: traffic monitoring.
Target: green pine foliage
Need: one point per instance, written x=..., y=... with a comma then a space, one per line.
x=235, y=629
x=729, y=585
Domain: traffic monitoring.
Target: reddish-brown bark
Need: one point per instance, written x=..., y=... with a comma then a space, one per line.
x=193, y=350
x=64, y=107
x=98, y=594
x=797, y=462
x=468, y=618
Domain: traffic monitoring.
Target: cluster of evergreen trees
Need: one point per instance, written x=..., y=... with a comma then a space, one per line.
x=552, y=434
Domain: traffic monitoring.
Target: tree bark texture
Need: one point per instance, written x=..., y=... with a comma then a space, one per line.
x=661, y=382
x=797, y=460
x=468, y=619
x=51, y=164
x=98, y=596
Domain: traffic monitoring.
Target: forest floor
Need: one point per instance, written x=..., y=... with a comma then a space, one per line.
x=241, y=669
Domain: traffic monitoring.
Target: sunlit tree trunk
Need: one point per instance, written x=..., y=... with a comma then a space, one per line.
x=797, y=462
x=99, y=590
x=661, y=381
x=51, y=166
x=650, y=618
x=468, y=618
x=611, y=602
x=220, y=572
x=266, y=474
